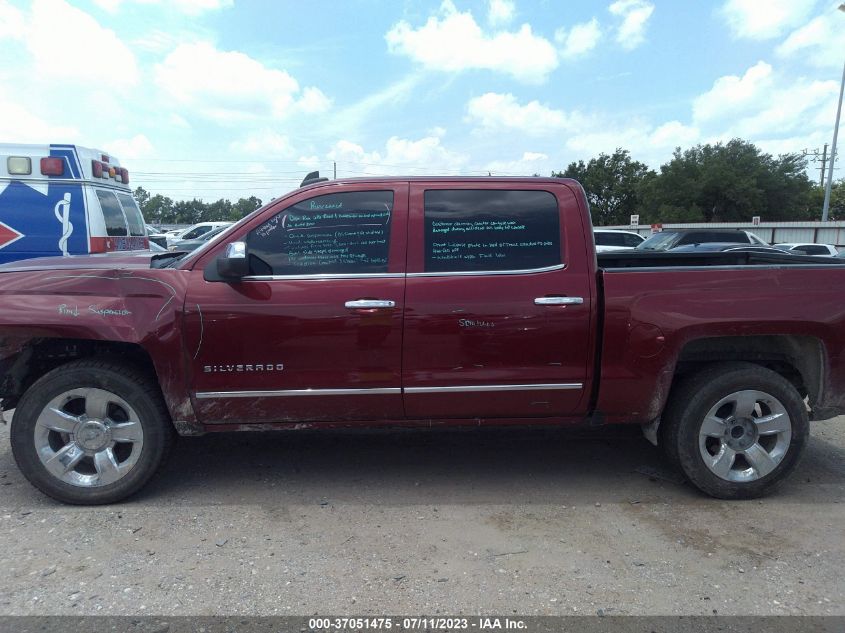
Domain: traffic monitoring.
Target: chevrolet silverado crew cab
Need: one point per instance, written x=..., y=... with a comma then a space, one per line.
x=417, y=301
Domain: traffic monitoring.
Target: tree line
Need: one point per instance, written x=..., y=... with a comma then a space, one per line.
x=159, y=209
x=721, y=182
x=730, y=182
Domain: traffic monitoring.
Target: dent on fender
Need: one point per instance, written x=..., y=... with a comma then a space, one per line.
x=116, y=306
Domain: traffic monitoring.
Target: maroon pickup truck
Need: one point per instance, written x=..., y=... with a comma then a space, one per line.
x=417, y=301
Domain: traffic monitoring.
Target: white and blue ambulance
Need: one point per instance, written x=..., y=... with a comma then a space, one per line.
x=65, y=200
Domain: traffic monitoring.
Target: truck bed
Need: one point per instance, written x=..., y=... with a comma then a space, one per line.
x=667, y=259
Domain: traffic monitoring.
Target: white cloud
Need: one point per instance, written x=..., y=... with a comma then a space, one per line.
x=501, y=12
x=349, y=118
x=502, y=111
x=819, y=42
x=763, y=19
x=230, y=86
x=531, y=163
x=424, y=156
x=732, y=94
x=635, y=15
x=579, y=40
x=264, y=143
x=18, y=123
x=139, y=146
x=159, y=41
x=313, y=101
x=649, y=143
x=799, y=106
x=12, y=22
x=68, y=45
x=188, y=7
x=765, y=104
x=309, y=162
x=453, y=41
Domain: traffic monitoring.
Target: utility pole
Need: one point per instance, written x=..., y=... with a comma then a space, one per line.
x=335, y=168
x=826, y=205
x=818, y=157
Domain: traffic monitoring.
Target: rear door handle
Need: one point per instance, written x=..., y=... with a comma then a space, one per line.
x=558, y=301
x=359, y=304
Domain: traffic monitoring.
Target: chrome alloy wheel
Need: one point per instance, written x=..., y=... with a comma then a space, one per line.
x=745, y=436
x=88, y=437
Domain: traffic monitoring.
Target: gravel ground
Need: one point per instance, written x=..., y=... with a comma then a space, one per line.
x=542, y=522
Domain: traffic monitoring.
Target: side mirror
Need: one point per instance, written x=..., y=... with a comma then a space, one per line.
x=233, y=264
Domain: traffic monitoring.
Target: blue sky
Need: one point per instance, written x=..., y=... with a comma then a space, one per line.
x=230, y=98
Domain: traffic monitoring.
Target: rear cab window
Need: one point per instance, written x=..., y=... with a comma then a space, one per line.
x=470, y=230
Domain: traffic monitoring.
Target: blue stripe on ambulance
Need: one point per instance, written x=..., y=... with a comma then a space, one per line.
x=68, y=152
x=52, y=224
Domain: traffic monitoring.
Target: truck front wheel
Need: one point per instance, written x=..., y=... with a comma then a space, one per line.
x=736, y=429
x=91, y=432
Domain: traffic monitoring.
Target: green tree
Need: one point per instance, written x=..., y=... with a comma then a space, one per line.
x=729, y=182
x=158, y=209
x=141, y=196
x=837, y=200
x=244, y=207
x=189, y=211
x=613, y=185
x=217, y=211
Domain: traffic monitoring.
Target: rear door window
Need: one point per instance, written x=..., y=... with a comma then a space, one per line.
x=810, y=249
x=195, y=233
x=112, y=213
x=133, y=214
x=490, y=230
x=609, y=239
x=631, y=240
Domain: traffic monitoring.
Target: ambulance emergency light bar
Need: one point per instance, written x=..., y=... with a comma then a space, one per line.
x=104, y=170
x=55, y=166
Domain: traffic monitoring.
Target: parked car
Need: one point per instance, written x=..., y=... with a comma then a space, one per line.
x=418, y=302
x=669, y=239
x=716, y=247
x=194, y=231
x=156, y=236
x=189, y=245
x=809, y=248
x=65, y=200
x=615, y=240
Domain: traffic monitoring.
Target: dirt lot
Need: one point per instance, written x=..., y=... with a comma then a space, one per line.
x=526, y=522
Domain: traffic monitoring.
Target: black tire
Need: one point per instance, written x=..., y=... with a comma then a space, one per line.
x=691, y=400
x=127, y=382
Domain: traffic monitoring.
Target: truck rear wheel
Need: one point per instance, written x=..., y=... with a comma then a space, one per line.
x=735, y=429
x=91, y=432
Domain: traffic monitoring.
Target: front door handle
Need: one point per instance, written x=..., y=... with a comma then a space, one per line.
x=364, y=304
x=558, y=301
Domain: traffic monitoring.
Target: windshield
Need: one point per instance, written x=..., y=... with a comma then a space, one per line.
x=658, y=242
x=211, y=234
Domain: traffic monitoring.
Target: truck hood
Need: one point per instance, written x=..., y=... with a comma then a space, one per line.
x=112, y=261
